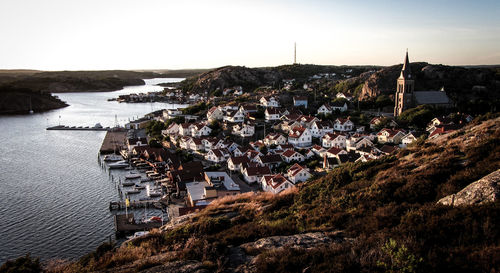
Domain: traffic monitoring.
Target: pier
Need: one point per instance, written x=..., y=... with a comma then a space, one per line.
x=78, y=128
x=113, y=141
x=125, y=224
x=120, y=205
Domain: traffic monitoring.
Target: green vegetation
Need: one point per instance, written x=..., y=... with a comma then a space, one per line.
x=154, y=128
x=418, y=117
x=196, y=109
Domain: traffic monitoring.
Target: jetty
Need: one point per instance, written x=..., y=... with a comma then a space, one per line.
x=113, y=141
x=78, y=128
x=120, y=205
x=125, y=224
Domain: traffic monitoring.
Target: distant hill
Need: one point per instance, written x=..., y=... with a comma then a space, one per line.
x=17, y=101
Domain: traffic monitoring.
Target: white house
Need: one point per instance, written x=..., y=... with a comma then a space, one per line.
x=235, y=162
x=215, y=113
x=409, y=138
x=234, y=116
x=334, y=140
x=274, y=139
x=297, y=174
x=356, y=143
x=173, y=129
x=272, y=114
x=343, y=125
x=185, y=129
x=272, y=160
x=195, y=144
x=200, y=129
x=275, y=183
x=335, y=152
x=248, y=108
x=300, y=137
x=321, y=128
x=243, y=130
x=291, y=155
x=390, y=136
x=254, y=174
x=217, y=155
x=325, y=109
x=269, y=102
x=300, y=101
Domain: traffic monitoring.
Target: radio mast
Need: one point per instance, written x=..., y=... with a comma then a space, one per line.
x=295, y=53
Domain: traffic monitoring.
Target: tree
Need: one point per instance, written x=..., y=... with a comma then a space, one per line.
x=399, y=258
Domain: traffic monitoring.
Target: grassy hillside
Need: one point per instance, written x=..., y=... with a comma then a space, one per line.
x=377, y=216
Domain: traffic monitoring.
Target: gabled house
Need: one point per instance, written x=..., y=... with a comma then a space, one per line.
x=321, y=128
x=328, y=109
x=334, y=140
x=356, y=143
x=390, y=136
x=443, y=129
x=318, y=150
x=285, y=147
x=185, y=129
x=235, y=162
x=269, y=102
x=274, y=139
x=344, y=96
x=300, y=137
x=349, y=157
x=275, y=183
x=300, y=101
x=291, y=155
x=243, y=130
x=409, y=138
x=254, y=174
x=217, y=155
x=234, y=116
x=343, y=125
x=272, y=114
x=325, y=109
x=195, y=144
x=272, y=161
x=172, y=129
x=215, y=113
x=297, y=173
x=248, y=108
x=200, y=129
x=239, y=151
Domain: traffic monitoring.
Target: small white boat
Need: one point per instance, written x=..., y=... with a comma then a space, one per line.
x=138, y=234
x=118, y=165
x=153, y=192
x=145, y=179
x=132, y=175
x=129, y=168
x=113, y=157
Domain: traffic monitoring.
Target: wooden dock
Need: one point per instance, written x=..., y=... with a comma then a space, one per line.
x=113, y=141
x=78, y=128
x=125, y=224
x=120, y=205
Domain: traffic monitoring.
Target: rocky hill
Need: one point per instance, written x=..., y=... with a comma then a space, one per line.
x=377, y=216
x=461, y=84
x=17, y=101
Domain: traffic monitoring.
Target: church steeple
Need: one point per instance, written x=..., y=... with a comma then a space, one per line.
x=404, y=90
x=406, y=70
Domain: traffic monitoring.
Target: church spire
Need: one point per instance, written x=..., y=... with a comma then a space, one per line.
x=406, y=71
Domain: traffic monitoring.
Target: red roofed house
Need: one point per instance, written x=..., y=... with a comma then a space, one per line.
x=254, y=174
x=390, y=136
x=342, y=124
x=297, y=174
x=300, y=137
x=334, y=140
x=275, y=183
x=291, y=155
x=235, y=162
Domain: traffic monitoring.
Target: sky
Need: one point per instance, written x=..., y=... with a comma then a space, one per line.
x=167, y=34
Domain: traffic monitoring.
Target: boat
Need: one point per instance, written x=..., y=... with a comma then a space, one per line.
x=128, y=184
x=132, y=175
x=113, y=157
x=155, y=219
x=139, y=187
x=153, y=192
x=145, y=179
x=118, y=165
x=138, y=234
x=133, y=192
x=129, y=168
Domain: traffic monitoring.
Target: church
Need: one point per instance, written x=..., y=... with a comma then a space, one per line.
x=407, y=98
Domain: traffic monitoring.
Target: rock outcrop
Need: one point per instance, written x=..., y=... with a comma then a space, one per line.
x=486, y=189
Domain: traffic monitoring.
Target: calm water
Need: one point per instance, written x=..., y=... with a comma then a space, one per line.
x=54, y=196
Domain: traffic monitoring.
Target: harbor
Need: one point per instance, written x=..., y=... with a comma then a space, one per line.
x=79, y=128
x=126, y=224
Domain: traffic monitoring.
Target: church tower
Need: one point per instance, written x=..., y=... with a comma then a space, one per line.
x=404, y=92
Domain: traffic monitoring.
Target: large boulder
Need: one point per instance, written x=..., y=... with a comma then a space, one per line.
x=482, y=191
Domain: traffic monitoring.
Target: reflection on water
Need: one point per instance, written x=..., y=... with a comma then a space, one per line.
x=54, y=196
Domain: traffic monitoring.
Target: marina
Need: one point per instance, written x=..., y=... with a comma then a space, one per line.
x=126, y=224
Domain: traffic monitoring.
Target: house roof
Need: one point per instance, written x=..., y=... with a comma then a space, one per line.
x=275, y=181
x=296, y=132
x=239, y=159
x=288, y=153
x=431, y=97
x=334, y=150
x=273, y=158
x=273, y=136
x=444, y=129
x=285, y=147
x=387, y=149
x=295, y=169
x=342, y=120
x=258, y=170
x=272, y=111
x=350, y=157
x=333, y=136
x=391, y=132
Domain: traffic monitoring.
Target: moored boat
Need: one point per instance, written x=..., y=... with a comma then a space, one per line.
x=118, y=165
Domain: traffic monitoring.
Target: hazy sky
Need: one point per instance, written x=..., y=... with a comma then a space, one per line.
x=153, y=34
